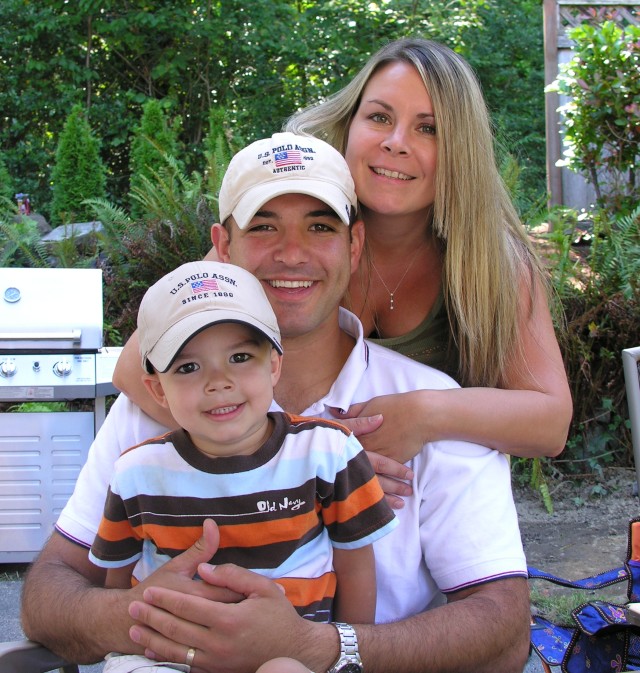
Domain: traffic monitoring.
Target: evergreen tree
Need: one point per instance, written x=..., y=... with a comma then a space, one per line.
x=153, y=139
x=79, y=173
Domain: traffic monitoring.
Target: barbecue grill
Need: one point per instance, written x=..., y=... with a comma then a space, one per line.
x=50, y=350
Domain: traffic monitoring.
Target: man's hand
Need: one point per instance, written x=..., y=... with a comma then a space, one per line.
x=230, y=637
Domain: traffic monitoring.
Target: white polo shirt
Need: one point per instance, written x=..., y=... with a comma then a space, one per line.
x=459, y=528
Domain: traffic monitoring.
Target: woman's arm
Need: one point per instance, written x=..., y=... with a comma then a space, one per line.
x=528, y=417
x=355, y=600
x=127, y=377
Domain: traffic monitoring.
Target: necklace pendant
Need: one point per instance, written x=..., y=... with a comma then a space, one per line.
x=391, y=301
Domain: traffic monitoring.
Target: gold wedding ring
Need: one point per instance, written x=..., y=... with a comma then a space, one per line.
x=191, y=654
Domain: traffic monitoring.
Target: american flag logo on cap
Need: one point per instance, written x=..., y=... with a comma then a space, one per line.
x=204, y=285
x=288, y=158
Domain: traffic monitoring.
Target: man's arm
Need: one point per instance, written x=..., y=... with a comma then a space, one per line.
x=66, y=608
x=119, y=578
x=484, y=629
x=355, y=600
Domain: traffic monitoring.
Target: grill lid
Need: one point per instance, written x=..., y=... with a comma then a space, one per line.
x=50, y=309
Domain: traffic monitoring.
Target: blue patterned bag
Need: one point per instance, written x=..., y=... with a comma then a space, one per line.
x=602, y=639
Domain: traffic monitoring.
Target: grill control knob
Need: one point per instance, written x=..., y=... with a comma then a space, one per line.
x=36, y=366
x=62, y=368
x=7, y=368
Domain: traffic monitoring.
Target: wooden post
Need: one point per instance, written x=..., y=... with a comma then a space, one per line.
x=551, y=21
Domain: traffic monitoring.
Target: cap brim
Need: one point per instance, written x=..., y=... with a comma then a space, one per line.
x=253, y=199
x=166, y=349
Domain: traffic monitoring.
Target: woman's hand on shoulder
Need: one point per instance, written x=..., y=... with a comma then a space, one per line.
x=402, y=434
x=391, y=443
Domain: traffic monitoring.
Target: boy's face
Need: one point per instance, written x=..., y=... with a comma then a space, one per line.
x=302, y=253
x=220, y=388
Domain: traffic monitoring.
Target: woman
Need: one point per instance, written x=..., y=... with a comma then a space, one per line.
x=450, y=278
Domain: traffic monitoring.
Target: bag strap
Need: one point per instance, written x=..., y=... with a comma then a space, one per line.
x=599, y=581
x=617, y=639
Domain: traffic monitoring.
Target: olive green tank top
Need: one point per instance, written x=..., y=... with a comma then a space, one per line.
x=428, y=342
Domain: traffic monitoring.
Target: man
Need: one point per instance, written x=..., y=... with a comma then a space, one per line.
x=287, y=203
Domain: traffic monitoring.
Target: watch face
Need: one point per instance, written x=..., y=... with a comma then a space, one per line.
x=351, y=668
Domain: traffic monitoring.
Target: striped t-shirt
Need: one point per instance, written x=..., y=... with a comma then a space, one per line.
x=280, y=510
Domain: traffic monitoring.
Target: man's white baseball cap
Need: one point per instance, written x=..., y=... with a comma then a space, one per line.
x=194, y=297
x=285, y=164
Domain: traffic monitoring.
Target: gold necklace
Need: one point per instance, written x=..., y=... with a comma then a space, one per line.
x=391, y=294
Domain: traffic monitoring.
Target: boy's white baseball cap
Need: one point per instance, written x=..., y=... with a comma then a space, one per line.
x=195, y=296
x=285, y=164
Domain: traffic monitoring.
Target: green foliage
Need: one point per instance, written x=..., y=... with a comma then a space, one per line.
x=600, y=296
x=539, y=483
x=39, y=407
x=612, y=264
x=219, y=146
x=532, y=473
x=505, y=47
x=175, y=228
x=72, y=251
x=6, y=182
x=20, y=243
x=602, y=117
x=258, y=62
x=615, y=255
x=558, y=603
x=78, y=173
x=153, y=139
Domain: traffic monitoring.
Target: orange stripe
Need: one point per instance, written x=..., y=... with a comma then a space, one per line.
x=301, y=591
x=114, y=531
x=238, y=535
x=258, y=534
x=635, y=541
x=362, y=498
x=171, y=537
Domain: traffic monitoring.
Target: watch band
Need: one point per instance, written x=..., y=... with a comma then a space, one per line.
x=349, y=659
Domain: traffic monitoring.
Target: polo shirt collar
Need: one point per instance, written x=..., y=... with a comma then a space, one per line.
x=343, y=392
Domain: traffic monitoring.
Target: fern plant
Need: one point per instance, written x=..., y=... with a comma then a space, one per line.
x=539, y=483
x=136, y=252
x=615, y=255
x=20, y=242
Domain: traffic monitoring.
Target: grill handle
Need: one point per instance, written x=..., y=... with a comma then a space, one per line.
x=72, y=335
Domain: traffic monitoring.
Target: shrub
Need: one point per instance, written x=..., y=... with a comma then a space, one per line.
x=78, y=173
x=600, y=295
x=602, y=117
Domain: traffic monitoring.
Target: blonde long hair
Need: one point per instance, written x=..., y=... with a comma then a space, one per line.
x=487, y=253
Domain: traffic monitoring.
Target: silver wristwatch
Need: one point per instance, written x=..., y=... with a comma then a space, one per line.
x=348, y=660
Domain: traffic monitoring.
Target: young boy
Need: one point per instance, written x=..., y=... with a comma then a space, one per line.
x=294, y=498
